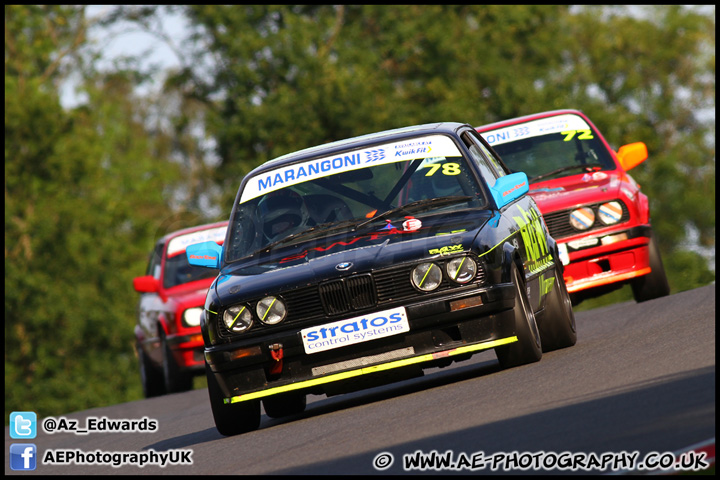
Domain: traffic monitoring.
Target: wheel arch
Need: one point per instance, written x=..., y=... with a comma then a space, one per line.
x=512, y=257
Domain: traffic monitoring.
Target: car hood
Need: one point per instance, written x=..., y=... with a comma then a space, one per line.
x=341, y=256
x=575, y=190
x=190, y=294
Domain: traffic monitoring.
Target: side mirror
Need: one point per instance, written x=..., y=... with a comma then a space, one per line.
x=146, y=284
x=509, y=188
x=632, y=155
x=205, y=254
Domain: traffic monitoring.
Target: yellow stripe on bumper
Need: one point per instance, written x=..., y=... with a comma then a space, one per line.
x=372, y=369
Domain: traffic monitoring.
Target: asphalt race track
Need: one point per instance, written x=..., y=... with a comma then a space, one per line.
x=641, y=380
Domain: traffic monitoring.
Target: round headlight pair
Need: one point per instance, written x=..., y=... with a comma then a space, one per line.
x=428, y=276
x=584, y=218
x=239, y=318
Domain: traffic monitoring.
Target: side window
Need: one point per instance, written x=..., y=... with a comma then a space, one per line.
x=491, y=171
x=495, y=162
x=153, y=267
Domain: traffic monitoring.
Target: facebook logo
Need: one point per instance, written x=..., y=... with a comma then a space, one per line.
x=23, y=456
x=23, y=425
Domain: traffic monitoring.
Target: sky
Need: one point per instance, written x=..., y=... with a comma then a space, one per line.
x=119, y=41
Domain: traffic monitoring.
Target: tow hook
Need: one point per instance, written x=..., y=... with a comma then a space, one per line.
x=276, y=352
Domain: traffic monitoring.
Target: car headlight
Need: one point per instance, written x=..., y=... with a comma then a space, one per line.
x=582, y=218
x=271, y=310
x=426, y=277
x=238, y=318
x=191, y=317
x=461, y=269
x=610, y=212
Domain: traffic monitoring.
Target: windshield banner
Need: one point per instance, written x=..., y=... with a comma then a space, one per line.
x=179, y=244
x=536, y=128
x=414, y=148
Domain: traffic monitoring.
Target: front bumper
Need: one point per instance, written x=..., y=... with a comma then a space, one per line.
x=187, y=351
x=612, y=258
x=445, y=329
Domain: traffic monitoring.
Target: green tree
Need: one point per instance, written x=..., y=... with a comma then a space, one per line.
x=86, y=192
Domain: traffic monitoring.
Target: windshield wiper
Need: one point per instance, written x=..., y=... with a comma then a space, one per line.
x=325, y=227
x=418, y=205
x=589, y=167
x=355, y=224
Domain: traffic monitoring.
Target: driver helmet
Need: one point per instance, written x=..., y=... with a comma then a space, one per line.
x=446, y=186
x=442, y=184
x=282, y=212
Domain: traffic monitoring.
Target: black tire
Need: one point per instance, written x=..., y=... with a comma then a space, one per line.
x=655, y=283
x=528, y=348
x=557, y=325
x=174, y=379
x=284, y=405
x=150, y=377
x=235, y=418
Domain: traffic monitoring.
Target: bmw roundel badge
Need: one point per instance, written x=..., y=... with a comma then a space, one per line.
x=343, y=266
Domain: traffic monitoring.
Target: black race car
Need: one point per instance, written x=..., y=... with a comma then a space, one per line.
x=365, y=261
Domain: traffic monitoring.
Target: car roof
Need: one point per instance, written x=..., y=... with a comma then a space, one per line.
x=527, y=118
x=196, y=228
x=359, y=142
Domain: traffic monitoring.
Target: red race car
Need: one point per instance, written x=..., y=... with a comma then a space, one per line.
x=168, y=339
x=591, y=206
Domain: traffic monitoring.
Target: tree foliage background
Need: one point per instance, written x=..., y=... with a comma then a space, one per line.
x=89, y=188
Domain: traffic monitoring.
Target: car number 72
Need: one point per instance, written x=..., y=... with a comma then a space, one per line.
x=583, y=135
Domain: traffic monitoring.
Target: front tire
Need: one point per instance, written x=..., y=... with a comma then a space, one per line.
x=557, y=325
x=232, y=418
x=150, y=377
x=528, y=348
x=174, y=379
x=655, y=283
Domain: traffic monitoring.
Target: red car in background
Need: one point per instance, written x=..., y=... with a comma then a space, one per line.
x=169, y=344
x=591, y=205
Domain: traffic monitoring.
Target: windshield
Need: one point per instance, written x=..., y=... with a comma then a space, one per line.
x=178, y=271
x=359, y=189
x=550, y=147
